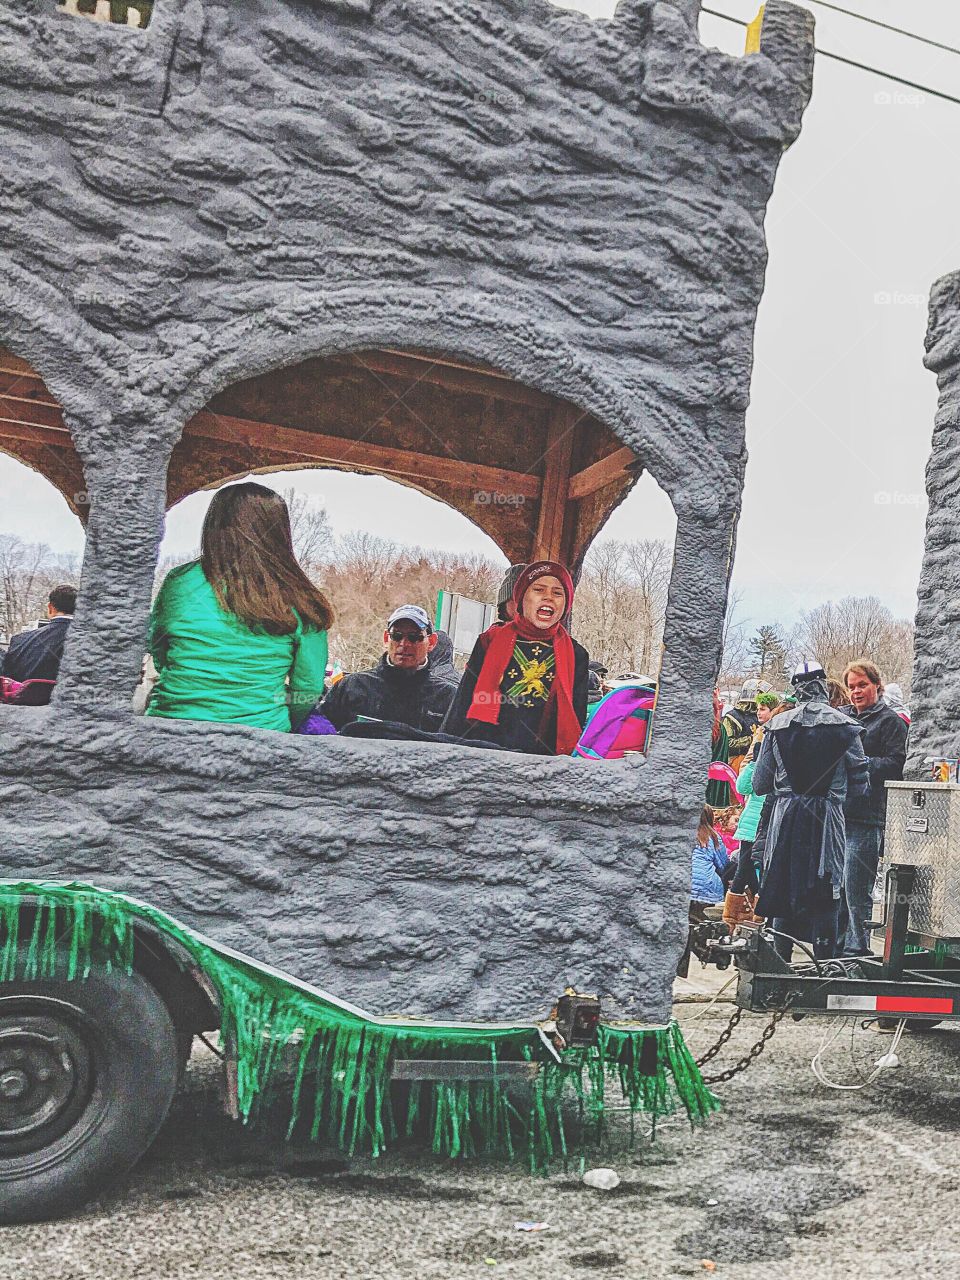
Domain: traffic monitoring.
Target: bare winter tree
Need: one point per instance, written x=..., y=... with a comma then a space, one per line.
x=367, y=577
x=310, y=527
x=860, y=627
x=651, y=563
x=28, y=573
x=621, y=603
x=735, y=659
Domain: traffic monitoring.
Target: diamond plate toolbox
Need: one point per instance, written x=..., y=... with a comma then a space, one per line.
x=923, y=830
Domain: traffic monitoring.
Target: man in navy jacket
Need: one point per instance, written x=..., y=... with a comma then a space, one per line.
x=35, y=655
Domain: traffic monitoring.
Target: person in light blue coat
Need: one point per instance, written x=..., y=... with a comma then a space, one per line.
x=709, y=863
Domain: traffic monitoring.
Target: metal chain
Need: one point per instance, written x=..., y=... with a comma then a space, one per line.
x=767, y=1034
x=724, y=1037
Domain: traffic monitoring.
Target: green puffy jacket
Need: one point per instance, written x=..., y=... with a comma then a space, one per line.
x=212, y=666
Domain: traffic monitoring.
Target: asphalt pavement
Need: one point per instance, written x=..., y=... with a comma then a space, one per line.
x=791, y=1179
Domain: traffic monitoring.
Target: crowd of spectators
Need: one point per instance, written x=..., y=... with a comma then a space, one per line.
x=811, y=769
x=241, y=636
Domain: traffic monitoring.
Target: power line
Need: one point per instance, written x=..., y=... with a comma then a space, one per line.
x=911, y=84
x=849, y=62
x=875, y=22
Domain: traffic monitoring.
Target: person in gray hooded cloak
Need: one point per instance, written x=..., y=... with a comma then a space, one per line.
x=812, y=758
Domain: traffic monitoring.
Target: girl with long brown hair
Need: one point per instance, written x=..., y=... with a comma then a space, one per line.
x=709, y=862
x=240, y=635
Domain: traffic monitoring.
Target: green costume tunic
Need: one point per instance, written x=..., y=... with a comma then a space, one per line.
x=212, y=666
x=718, y=792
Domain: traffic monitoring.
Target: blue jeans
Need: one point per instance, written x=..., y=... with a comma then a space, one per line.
x=861, y=858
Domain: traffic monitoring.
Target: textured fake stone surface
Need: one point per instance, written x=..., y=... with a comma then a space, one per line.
x=935, y=697
x=243, y=186
x=419, y=879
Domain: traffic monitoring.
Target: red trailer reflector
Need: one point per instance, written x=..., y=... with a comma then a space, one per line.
x=892, y=1004
x=914, y=1004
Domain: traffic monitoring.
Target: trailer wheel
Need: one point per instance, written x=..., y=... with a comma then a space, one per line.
x=88, y=1069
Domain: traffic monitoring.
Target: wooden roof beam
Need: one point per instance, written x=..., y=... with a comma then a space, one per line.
x=601, y=473
x=451, y=376
x=440, y=371
x=41, y=421
x=360, y=455
x=9, y=363
x=11, y=429
x=40, y=413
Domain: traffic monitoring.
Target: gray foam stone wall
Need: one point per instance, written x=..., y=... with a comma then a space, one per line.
x=245, y=185
x=935, y=698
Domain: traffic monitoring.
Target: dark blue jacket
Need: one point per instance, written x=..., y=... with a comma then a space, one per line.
x=885, y=746
x=416, y=698
x=35, y=655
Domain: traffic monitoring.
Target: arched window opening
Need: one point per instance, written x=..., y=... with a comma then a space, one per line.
x=625, y=582
x=370, y=542
x=45, y=507
x=41, y=549
x=536, y=476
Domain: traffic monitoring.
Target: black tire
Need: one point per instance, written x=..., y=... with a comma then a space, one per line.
x=88, y=1069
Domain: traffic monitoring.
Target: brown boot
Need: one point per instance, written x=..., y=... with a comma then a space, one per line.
x=751, y=916
x=735, y=909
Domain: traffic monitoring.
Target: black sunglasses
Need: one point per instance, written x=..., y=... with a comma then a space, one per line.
x=415, y=637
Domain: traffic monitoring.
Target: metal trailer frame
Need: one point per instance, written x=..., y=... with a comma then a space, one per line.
x=902, y=983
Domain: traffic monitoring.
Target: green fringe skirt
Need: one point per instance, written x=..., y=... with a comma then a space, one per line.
x=339, y=1060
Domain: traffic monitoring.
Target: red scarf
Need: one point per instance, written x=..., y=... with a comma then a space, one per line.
x=487, y=698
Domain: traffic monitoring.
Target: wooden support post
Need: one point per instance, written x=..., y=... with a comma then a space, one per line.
x=551, y=523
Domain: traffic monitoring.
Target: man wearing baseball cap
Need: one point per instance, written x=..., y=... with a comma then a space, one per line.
x=403, y=686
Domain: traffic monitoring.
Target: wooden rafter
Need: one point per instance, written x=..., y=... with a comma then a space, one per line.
x=436, y=370
x=601, y=473
x=16, y=429
x=32, y=419
x=9, y=363
x=42, y=422
x=41, y=413
x=360, y=454
x=447, y=373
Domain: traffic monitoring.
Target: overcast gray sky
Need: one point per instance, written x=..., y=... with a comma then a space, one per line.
x=863, y=220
